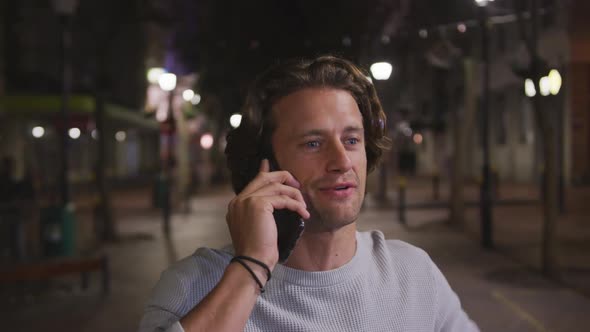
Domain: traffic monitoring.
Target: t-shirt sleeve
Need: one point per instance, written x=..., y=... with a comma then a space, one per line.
x=164, y=308
x=450, y=316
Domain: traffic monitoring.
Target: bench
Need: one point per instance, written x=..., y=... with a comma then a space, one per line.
x=59, y=267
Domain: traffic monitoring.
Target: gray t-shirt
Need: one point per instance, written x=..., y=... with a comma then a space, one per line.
x=388, y=285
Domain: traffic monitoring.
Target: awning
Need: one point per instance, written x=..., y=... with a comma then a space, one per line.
x=48, y=106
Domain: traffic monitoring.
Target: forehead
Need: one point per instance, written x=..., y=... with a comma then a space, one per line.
x=315, y=108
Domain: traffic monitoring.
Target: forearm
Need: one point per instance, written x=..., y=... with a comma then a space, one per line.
x=228, y=306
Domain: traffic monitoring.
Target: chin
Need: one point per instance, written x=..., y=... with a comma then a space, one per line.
x=331, y=220
x=327, y=215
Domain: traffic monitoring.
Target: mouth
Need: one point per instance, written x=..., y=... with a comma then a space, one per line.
x=339, y=186
x=339, y=190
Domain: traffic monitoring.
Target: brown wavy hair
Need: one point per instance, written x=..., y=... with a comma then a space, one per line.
x=248, y=144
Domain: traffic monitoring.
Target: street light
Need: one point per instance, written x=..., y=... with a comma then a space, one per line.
x=544, y=86
x=188, y=94
x=196, y=99
x=555, y=81
x=235, y=120
x=418, y=139
x=207, y=141
x=153, y=74
x=461, y=27
x=529, y=88
x=120, y=136
x=551, y=85
x=167, y=82
x=38, y=132
x=381, y=71
x=485, y=205
x=423, y=33
x=483, y=3
x=74, y=133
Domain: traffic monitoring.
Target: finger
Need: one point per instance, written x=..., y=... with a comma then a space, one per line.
x=264, y=166
x=283, y=177
x=286, y=202
x=278, y=189
x=290, y=180
x=264, y=178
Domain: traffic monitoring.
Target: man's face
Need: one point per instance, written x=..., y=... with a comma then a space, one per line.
x=319, y=139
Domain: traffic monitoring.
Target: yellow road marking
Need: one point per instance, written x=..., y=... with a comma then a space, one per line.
x=537, y=325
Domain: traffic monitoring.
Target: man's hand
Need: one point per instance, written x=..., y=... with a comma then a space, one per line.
x=250, y=219
x=254, y=233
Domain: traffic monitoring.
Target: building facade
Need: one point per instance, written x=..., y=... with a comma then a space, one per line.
x=515, y=140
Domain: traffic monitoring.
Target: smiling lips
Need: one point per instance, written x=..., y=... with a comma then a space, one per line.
x=340, y=186
x=339, y=190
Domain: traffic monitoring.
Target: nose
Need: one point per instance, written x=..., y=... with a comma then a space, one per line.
x=338, y=159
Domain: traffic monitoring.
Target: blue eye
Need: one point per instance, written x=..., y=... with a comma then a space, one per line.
x=312, y=144
x=352, y=141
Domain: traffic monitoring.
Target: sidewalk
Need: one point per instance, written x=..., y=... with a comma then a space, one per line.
x=517, y=225
x=499, y=293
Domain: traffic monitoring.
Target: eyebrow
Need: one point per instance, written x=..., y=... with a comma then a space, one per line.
x=319, y=132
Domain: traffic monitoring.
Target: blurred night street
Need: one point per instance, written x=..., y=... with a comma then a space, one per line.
x=500, y=290
x=114, y=122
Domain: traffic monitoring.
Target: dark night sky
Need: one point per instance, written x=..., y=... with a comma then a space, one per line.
x=228, y=42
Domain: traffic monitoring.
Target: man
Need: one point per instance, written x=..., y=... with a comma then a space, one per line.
x=320, y=122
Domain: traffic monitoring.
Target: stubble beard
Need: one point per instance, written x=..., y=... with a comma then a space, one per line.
x=330, y=219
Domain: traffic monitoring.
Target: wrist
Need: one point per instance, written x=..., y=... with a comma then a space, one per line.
x=269, y=261
x=259, y=272
x=241, y=276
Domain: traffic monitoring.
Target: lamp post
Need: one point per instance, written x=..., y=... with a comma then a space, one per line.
x=65, y=10
x=485, y=205
x=381, y=71
x=167, y=82
x=550, y=85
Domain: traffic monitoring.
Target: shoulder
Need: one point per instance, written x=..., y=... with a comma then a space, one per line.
x=397, y=259
x=399, y=251
x=182, y=286
x=203, y=261
x=187, y=281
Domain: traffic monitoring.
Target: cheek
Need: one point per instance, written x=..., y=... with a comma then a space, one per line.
x=305, y=176
x=360, y=163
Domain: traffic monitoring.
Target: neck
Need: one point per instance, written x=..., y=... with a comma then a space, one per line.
x=323, y=251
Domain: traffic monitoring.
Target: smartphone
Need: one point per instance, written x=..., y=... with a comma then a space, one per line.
x=290, y=225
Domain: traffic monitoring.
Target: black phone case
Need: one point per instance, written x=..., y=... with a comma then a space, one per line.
x=290, y=226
